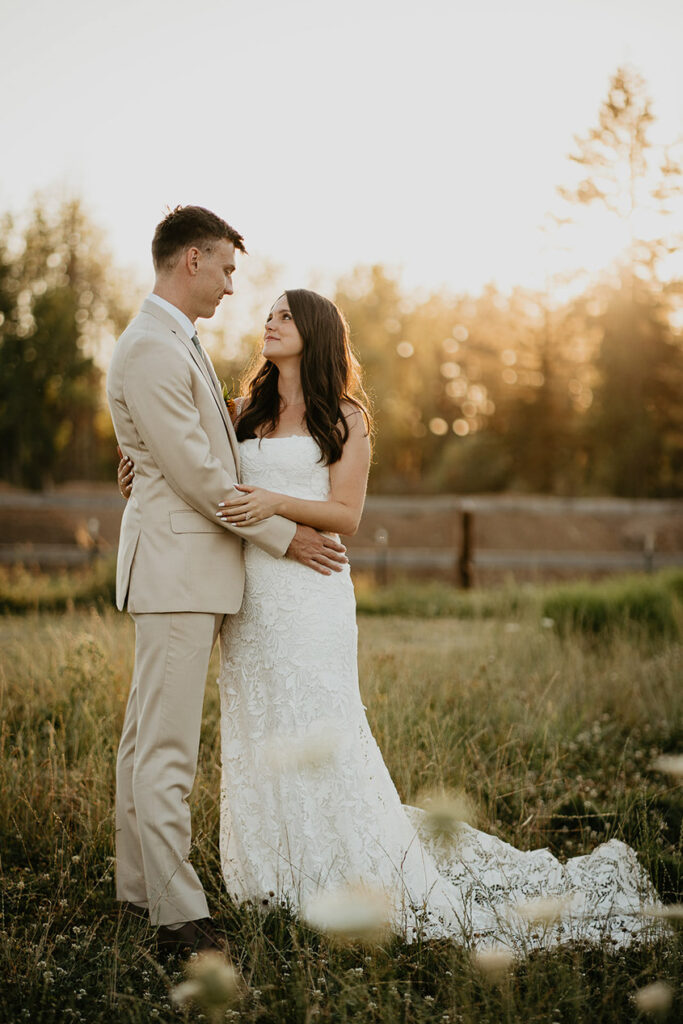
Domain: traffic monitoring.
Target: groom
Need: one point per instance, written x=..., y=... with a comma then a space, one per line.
x=180, y=569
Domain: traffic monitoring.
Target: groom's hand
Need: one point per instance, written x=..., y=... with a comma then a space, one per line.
x=317, y=551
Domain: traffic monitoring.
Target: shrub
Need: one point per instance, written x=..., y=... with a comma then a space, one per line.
x=23, y=591
x=598, y=608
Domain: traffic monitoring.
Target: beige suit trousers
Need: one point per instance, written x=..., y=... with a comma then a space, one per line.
x=157, y=763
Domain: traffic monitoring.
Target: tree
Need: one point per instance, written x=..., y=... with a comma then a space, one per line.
x=635, y=429
x=59, y=303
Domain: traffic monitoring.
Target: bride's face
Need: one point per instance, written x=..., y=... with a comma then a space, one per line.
x=281, y=338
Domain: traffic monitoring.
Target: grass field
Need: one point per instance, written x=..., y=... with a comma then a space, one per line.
x=552, y=734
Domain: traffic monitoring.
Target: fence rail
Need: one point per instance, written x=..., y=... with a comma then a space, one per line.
x=386, y=542
x=431, y=558
x=411, y=505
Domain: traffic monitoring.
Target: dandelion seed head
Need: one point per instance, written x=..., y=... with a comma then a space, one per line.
x=314, y=749
x=671, y=912
x=446, y=811
x=670, y=764
x=354, y=913
x=212, y=982
x=494, y=963
x=544, y=910
x=183, y=992
x=654, y=998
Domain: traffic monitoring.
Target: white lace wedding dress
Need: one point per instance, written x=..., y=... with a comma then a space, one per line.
x=307, y=803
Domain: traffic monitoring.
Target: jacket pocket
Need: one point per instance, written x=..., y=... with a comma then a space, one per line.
x=193, y=522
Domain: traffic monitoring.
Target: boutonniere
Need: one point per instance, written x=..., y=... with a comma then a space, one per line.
x=228, y=399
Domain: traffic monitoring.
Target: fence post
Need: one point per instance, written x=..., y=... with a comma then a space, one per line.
x=382, y=556
x=649, y=549
x=466, y=546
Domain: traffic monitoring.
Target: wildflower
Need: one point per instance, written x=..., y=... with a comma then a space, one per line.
x=351, y=914
x=445, y=812
x=493, y=963
x=670, y=764
x=654, y=998
x=228, y=399
x=544, y=910
x=212, y=982
x=76, y=859
x=547, y=623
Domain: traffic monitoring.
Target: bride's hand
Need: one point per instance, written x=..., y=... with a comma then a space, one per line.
x=125, y=475
x=254, y=505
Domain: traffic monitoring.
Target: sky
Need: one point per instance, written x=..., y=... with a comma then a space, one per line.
x=426, y=136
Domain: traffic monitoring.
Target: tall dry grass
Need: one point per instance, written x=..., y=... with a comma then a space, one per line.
x=551, y=736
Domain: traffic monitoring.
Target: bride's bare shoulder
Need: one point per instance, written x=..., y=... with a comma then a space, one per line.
x=355, y=417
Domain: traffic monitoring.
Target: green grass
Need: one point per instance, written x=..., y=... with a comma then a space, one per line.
x=652, y=602
x=552, y=735
x=22, y=590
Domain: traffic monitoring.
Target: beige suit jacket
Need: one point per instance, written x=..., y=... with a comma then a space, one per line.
x=170, y=418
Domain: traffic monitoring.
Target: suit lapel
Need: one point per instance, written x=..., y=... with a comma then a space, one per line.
x=206, y=369
x=223, y=409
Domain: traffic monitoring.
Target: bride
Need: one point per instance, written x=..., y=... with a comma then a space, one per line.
x=309, y=812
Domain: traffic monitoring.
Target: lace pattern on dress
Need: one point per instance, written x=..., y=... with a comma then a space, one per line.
x=307, y=801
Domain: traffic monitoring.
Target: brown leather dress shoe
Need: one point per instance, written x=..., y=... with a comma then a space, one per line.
x=190, y=937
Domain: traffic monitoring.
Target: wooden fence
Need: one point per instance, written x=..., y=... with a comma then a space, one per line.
x=457, y=538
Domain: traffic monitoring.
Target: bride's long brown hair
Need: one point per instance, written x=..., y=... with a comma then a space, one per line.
x=330, y=376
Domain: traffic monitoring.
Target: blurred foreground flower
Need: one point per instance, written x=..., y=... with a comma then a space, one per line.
x=654, y=998
x=672, y=912
x=314, y=749
x=494, y=963
x=212, y=982
x=544, y=910
x=354, y=913
x=670, y=764
x=446, y=811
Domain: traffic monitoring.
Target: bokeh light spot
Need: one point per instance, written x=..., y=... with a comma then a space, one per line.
x=438, y=426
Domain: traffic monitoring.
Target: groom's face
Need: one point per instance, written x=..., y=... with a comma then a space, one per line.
x=212, y=276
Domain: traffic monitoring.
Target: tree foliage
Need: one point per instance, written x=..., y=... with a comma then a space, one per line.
x=564, y=392
x=58, y=305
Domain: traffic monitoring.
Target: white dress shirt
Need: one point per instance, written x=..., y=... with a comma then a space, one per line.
x=180, y=318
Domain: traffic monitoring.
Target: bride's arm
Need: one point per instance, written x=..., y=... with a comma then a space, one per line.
x=340, y=513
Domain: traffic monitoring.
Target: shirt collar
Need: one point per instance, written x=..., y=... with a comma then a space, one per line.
x=180, y=318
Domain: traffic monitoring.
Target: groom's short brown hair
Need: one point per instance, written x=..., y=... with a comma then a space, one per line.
x=186, y=226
